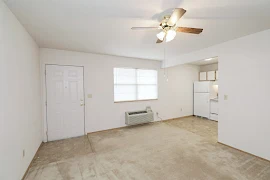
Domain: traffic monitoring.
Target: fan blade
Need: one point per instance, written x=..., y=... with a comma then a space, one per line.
x=159, y=41
x=145, y=28
x=189, y=30
x=176, y=15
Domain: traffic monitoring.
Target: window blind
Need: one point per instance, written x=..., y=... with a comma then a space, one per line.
x=135, y=84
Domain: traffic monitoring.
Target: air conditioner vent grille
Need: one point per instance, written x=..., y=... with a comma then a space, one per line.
x=139, y=117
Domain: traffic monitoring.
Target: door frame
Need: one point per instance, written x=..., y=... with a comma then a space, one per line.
x=44, y=96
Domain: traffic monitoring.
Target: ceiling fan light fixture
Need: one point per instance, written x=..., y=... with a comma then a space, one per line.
x=170, y=35
x=161, y=35
x=169, y=28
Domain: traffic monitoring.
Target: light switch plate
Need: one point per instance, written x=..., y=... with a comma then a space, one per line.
x=225, y=97
x=89, y=95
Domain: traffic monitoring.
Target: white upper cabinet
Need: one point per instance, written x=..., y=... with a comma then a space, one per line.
x=208, y=76
x=203, y=76
x=211, y=76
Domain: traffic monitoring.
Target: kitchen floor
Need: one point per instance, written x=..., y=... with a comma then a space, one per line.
x=178, y=149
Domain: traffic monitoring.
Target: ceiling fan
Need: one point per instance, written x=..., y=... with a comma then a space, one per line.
x=168, y=27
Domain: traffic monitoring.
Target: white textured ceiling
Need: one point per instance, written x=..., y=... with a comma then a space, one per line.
x=103, y=26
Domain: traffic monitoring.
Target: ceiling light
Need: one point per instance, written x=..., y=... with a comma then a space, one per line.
x=208, y=59
x=161, y=35
x=170, y=35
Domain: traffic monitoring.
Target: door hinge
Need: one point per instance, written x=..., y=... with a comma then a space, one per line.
x=46, y=103
x=45, y=72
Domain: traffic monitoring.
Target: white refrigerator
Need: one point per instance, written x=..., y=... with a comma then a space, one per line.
x=203, y=92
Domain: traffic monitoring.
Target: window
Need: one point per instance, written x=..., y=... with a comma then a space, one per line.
x=135, y=84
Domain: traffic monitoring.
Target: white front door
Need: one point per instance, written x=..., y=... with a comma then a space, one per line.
x=65, y=102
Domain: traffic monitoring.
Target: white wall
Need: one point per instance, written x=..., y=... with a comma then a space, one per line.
x=20, y=123
x=209, y=67
x=101, y=111
x=244, y=75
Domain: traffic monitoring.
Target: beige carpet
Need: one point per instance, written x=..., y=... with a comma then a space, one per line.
x=173, y=150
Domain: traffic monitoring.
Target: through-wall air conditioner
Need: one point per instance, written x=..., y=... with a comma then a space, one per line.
x=139, y=117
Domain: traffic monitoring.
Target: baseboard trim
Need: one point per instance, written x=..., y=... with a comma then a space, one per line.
x=31, y=162
x=123, y=127
x=244, y=152
x=174, y=118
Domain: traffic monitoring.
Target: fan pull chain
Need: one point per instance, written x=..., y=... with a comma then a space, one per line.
x=166, y=71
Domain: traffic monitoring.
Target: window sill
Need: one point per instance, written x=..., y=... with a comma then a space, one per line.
x=135, y=100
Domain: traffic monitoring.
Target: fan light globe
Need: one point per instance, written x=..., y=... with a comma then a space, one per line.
x=161, y=35
x=170, y=35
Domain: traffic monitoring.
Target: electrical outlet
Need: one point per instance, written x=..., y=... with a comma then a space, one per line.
x=23, y=153
x=225, y=97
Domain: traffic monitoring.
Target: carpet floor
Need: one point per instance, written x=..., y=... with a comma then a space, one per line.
x=180, y=149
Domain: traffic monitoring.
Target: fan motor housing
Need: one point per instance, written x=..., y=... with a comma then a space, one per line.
x=164, y=23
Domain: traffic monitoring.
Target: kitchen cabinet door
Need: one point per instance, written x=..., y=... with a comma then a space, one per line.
x=203, y=76
x=211, y=76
